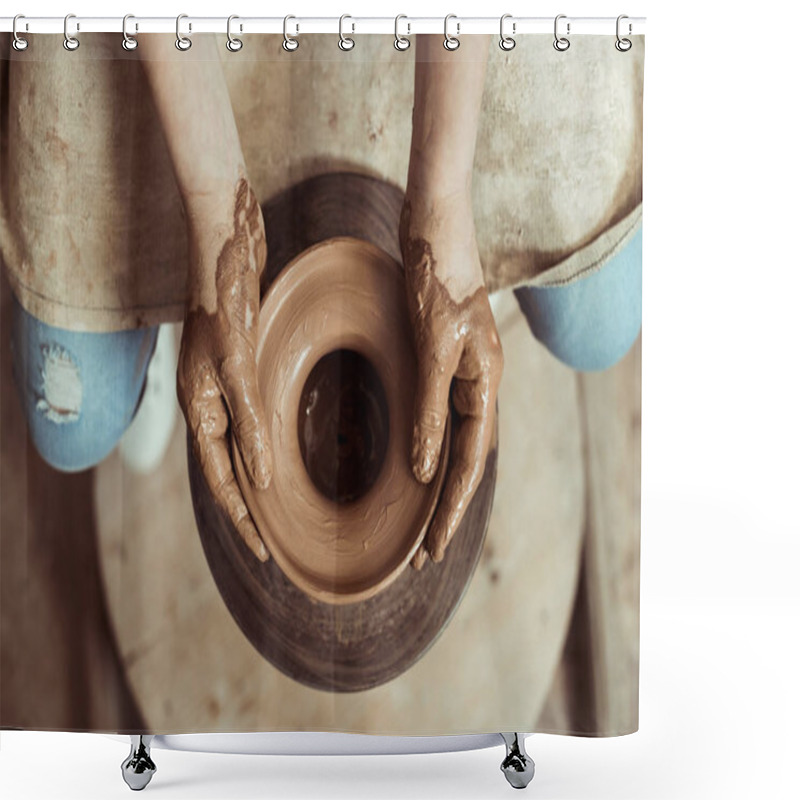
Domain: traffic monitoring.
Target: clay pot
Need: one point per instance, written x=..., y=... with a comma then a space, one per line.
x=343, y=513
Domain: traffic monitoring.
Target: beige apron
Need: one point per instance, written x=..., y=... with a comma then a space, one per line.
x=91, y=224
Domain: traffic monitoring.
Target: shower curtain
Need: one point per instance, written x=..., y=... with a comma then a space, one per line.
x=321, y=371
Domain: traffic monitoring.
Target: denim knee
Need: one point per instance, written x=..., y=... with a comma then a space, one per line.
x=592, y=322
x=79, y=390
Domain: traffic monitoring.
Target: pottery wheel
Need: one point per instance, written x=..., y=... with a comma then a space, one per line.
x=364, y=644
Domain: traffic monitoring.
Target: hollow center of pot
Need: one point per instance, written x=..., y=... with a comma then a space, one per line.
x=343, y=425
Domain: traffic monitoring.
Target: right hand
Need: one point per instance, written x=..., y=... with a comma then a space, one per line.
x=458, y=354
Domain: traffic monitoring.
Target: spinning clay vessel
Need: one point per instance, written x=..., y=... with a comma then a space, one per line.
x=343, y=513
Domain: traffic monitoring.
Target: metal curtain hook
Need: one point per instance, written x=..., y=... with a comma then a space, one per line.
x=290, y=43
x=561, y=43
x=182, y=42
x=623, y=45
x=451, y=42
x=401, y=42
x=70, y=42
x=17, y=42
x=233, y=44
x=128, y=42
x=345, y=42
x=507, y=42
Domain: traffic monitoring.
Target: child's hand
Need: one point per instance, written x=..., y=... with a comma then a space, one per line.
x=457, y=344
x=217, y=386
x=217, y=370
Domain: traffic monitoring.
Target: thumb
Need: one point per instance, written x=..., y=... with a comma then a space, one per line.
x=240, y=387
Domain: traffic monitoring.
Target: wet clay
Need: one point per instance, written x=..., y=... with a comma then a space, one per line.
x=460, y=357
x=340, y=295
x=216, y=369
x=343, y=425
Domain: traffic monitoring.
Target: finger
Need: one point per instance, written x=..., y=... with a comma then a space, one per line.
x=435, y=373
x=233, y=502
x=240, y=387
x=471, y=444
x=216, y=465
x=208, y=421
x=420, y=557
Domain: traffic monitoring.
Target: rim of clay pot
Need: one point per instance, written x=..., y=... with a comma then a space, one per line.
x=353, y=298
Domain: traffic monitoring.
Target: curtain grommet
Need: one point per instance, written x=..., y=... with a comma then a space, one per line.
x=451, y=43
x=290, y=43
x=561, y=43
x=507, y=42
x=17, y=42
x=70, y=42
x=233, y=44
x=401, y=43
x=128, y=42
x=346, y=43
x=623, y=44
x=183, y=43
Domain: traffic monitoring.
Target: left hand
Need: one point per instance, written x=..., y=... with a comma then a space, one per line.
x=217, y=378
x=457, y=346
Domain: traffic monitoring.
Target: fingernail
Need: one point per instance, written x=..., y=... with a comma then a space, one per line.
x=262, y=476
x=259, y=471
x=439, y=546
x=419, y=558
x=422, y=458
x=262, y=552
x=415, y=445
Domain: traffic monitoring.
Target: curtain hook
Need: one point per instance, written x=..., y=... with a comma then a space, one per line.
x=401, y=42
x=507, y=42
x=345, y=42
x=18, y=43
x=451, y=42
x=623, y=45
x=70, y=42
x=128, y=42
x=290, y=43
x=233, y=44
x=182, y=42
x=561, y=43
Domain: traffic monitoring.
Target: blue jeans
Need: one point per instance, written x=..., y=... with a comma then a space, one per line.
x=79, y=390
x=590, y=323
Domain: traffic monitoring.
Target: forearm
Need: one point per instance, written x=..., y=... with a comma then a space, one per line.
x=192, y=101
x=437, y=214
x=447, y=99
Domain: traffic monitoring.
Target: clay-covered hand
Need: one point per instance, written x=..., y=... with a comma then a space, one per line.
x=459, y=354
x=217, y=386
